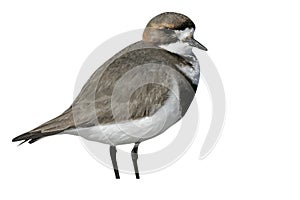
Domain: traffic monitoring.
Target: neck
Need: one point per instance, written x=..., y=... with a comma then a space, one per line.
x=185, y=50
x=178, y=47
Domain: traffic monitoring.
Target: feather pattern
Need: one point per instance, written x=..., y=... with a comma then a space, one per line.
x=93, y=105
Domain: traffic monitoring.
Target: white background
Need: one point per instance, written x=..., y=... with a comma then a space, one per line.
x=254, y=44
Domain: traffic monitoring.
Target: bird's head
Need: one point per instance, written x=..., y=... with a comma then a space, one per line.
x=173, y=32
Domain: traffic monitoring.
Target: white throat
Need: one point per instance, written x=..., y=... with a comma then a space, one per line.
x=179, y=47
x=185, y=50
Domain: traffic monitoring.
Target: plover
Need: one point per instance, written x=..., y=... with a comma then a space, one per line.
x=137, y=94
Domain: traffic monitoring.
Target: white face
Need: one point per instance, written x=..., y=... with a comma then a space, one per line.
x=181, y=47
x=186, y=33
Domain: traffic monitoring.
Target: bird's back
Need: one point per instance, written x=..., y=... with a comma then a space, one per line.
x=100, y=102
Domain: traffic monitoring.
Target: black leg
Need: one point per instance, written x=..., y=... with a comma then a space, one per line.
x=113, y=151
x=134, y=156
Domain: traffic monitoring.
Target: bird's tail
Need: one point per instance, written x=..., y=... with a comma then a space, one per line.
x=52, y=127
x=32, y=137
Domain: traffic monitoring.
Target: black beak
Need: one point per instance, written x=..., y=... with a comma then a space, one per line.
x=197, y=44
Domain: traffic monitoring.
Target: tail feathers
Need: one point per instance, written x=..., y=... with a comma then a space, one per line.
x=32, y=137
x=22, y=142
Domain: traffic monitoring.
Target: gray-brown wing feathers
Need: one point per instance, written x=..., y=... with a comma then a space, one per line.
x=99, y=102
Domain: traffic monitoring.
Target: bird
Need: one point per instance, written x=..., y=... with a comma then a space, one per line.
x=135, y=95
